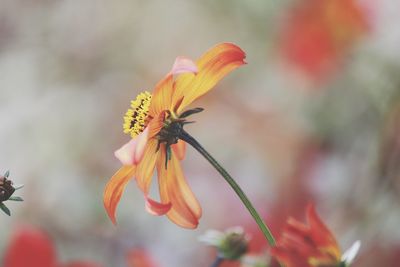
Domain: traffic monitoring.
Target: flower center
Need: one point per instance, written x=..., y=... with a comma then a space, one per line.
x=136, y=118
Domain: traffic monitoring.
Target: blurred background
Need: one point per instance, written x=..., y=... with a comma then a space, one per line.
x=313, y=116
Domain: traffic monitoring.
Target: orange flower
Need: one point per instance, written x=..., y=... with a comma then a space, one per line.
x=311, y=245
x=139, y=258
x=320, y=32
x=32, y=247
x=152, y=121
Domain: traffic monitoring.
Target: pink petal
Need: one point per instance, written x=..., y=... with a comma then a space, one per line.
x=156, y=208
x=132, y=152
x=141, y=145
x=183, y=65
x=126, y=153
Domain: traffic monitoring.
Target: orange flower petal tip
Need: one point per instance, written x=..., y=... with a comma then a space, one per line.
x=156, y=208
x=184, y=65
x=114, y=189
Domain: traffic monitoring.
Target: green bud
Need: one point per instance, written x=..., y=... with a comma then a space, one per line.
x=231, y=244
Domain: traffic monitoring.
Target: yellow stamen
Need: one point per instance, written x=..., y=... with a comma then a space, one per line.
x=136, y=118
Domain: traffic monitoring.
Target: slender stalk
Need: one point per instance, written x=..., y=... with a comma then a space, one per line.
x=193, y=142
x=217, y=262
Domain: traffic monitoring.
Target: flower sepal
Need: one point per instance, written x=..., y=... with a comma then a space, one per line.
x=173, y=130
x=7, y=190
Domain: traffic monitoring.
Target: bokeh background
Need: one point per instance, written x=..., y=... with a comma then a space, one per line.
x=313, y=116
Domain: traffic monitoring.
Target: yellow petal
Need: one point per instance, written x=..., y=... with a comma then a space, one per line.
x=145, y=168
x=114, y=189
x=185, y=210
x=162, y=96
x=156, y=124
x=212, y=67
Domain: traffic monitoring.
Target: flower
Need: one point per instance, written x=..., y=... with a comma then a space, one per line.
x=311, y=244
x=153, y=121
x=31, y=247
x=231, y=244
x=7, y=189
x=139, y=258
x=319, y=33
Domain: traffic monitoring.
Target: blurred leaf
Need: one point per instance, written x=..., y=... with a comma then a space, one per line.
x=5, y=209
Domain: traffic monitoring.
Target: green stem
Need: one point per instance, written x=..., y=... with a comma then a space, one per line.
x=193, y=142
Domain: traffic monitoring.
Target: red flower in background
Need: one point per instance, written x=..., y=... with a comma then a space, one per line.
x=140, y=258
x=318, y=34
x=32, y=248
x=311, y=244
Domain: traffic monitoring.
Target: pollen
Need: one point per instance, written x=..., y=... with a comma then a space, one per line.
x=136, y=118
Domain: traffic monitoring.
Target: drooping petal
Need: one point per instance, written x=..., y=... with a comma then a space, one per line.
x=145, y=168
x=114, y=189
x=185, y=210
x=212, y=67
x=156, y=208
x=179, y=149
x=30, y=247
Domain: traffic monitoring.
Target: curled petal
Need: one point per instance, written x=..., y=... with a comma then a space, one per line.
x=114, y=189
x=157, y=208
x=214, y=65
x=126, y=153
x=185, y=210
x=183, y=65
x=132, y=152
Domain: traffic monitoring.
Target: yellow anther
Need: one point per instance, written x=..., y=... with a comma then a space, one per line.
x=136, y=118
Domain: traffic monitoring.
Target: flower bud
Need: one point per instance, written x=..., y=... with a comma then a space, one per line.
x=231, y=244
x=6, y=188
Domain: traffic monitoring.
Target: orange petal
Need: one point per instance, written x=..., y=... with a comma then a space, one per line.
x=141, y=145
x=179, y=149
x=156, y=124
x=321, y=235
x=145, y=168
x=212, y=67
x=185, y=210
x=162, y=94
x=157, y=208
x=114, y=189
